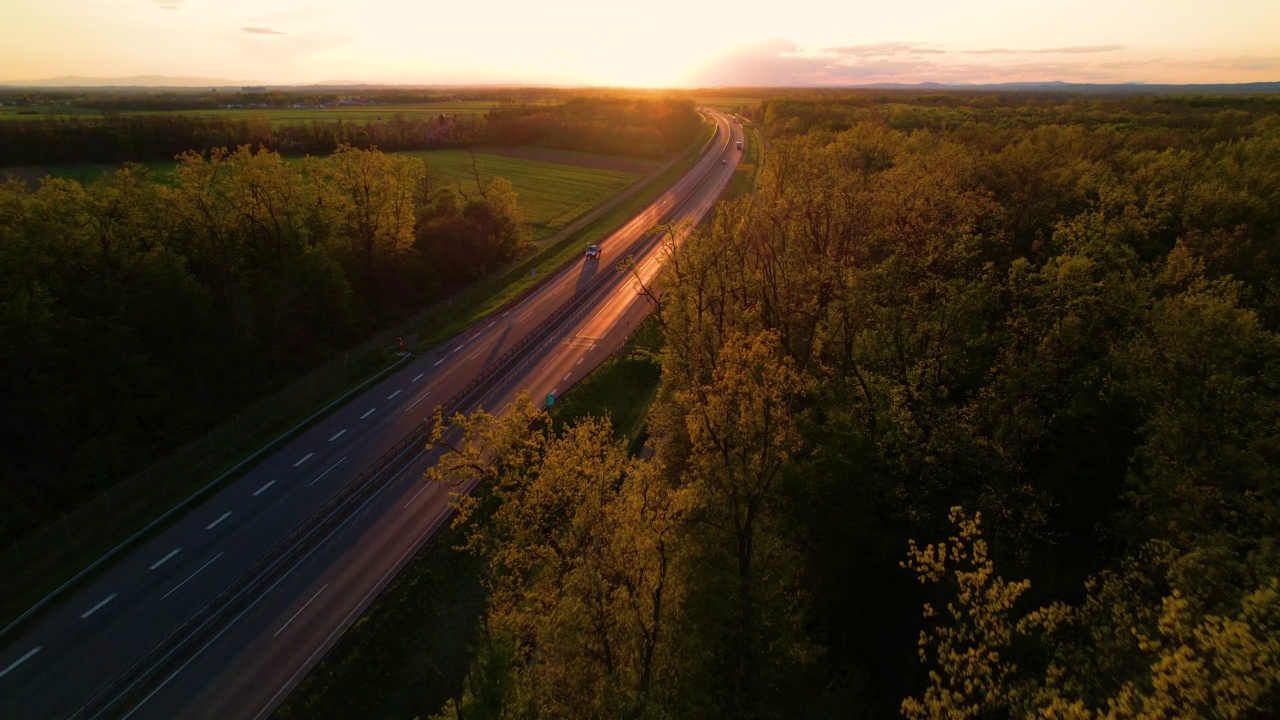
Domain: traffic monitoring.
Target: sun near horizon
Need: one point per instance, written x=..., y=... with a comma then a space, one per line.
x=664, y=43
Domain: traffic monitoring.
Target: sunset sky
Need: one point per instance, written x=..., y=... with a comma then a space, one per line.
x=654, y=43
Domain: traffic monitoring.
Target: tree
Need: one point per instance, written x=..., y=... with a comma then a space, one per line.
x=1167, y=658
x=580, y=542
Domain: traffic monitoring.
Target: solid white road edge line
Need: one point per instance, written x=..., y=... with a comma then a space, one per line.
x=346, y=622
x=21, y=660
x=165, y=559
x=213, y=524
x=420, y=491
x=415, y=402
x=304, y=607
x=98, y=607
x=184, y=582
x=326, y=472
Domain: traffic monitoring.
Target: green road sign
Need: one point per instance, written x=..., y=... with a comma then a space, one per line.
x=551, y=400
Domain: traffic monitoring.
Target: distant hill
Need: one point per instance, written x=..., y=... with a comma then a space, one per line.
x=1059, y=86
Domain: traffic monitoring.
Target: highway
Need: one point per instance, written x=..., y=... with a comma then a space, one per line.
x=264, y=650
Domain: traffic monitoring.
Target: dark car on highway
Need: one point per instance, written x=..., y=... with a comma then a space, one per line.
x=593, y=252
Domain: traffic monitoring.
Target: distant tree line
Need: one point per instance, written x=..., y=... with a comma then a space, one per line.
x=134, y=315
x=619, y=125
x=971, y=411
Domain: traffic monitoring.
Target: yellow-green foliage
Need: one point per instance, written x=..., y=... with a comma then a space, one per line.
x=1194, y=663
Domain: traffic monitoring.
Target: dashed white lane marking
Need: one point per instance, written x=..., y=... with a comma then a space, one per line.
x=566, y=376
x=473, y=357
x=184, y=582
x=419, y=377
x=211, y=525
x=260, y=490
x=459, y=347
x=495, y=322
x=555, y=390
x=304, y=459
x=522, y=317
x=326, y=472
x=304, y=607
x=368, y=413
x=415, y=402
x=438, y=362
x=98, y=607
x=338, y=434
x=165, y=559
x=392, y=395
x=506, y=313
x=415, y=495
x=580, y=360
x=19, y=661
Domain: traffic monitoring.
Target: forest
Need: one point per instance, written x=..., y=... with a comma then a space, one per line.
x=136, y=314
x=635, y=126
x=971, y=410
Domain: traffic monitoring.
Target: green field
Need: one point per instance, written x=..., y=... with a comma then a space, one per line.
x=551, y=194
x=727, y=103
x=278, y=116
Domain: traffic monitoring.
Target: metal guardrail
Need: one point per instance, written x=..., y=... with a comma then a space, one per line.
x=144, y=674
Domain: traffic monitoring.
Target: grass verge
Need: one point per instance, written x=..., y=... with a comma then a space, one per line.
x=749, y=160
x=34, y=566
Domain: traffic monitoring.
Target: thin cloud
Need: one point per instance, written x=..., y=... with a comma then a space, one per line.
x=262, y=31
x=887, y=49
x=1069, y=50
x=1080, y=49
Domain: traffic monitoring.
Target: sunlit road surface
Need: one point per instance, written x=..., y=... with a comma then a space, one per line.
x=259, y=656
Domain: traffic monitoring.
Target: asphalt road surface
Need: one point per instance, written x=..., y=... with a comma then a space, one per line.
x=248, y=668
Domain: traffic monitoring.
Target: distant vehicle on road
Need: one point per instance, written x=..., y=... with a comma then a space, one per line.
x=724, y=162
x=739, y=144
x=593, y=252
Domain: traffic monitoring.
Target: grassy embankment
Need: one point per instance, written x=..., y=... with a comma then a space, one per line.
x=408, y=654
x=744, y=176
x=35, y=565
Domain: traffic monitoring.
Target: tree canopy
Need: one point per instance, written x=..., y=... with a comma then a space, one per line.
x=1042, y=327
